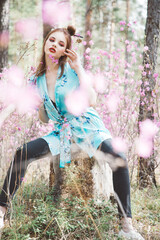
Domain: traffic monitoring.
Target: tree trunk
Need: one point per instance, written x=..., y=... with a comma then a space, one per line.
x=126, y=38
x=4, y=28
x=111, y=41
x=88, y=27
x=146, y=169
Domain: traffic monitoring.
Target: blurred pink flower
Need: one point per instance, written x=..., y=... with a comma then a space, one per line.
x=112, y=102
x=24, y=98
x=144, y=147
x=126, y=41
x=99, y=83
x=91, y=42
x=84, y=43
x=148, y=129
x=89, y=33
x=88, y=50
x=54, y=12
x=155, y=75
x=29, y=28
x=147, y=65
x=140, y=67
x=119, y=144
x=4, y=39
x=102, y=52
x=77, y=102
x=122, y=23
x=87, y=57
x=53, y=59
x=15, y=75
x=122, y=28
x=145, y=48
x=144, y=73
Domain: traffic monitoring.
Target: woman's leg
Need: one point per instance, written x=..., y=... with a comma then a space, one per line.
x=121, y=182
x=24, y=155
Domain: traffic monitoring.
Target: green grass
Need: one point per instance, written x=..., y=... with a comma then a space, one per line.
x=36, y=216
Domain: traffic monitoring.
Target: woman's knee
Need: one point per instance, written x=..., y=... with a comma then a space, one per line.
x=107, y=147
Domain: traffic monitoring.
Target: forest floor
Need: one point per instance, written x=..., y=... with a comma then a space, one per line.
x=34, y=214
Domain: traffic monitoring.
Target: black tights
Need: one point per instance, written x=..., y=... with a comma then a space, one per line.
x=38, y=149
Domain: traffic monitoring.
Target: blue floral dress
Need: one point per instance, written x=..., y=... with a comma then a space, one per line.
x=87, y=130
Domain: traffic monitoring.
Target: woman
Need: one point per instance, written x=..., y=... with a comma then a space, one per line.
x=55, y=78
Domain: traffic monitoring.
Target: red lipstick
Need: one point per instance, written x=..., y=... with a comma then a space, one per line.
x=52, y=50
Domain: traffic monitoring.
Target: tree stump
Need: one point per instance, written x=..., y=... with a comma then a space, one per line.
x=83, y=177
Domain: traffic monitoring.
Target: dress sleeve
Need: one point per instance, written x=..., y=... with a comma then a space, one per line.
x=72, y=75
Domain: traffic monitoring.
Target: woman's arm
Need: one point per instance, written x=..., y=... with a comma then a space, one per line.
x=92, y=96
x=42, y=114
x=75, y=64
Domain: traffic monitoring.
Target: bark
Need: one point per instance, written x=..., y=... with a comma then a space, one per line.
x=146, y=171
x=88, y=27
x=4, y=28
x=111, y=44
x=126, y=37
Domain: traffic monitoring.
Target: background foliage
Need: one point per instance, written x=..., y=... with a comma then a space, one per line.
x=42, y=219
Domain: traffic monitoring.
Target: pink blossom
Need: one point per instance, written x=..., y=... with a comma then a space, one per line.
x=119, y=145
x=54, y=12
x=87, y=57
x=155, y=75
x=126, y=41
x=112, y=102
x=23, y=179
x=91, y=42
x=102, y=52
x=144, y=73
x=88, y=50
x=144, y=147
x=145, y=48
x=53, y=59
x=99, y=83
x=77, y=102
x=98, y=57
x=15, y=75
x=147, y=65
x=24, y=98
x=121, y=29
x=28, y=28
x=84, y=43
x=148, y=129
x=4, y=39
x=89, y=33
x=122, y=23
x=140, y=67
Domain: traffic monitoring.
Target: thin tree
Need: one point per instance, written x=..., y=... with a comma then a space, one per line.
x=88, y=26
x=126, y=36
x=146, y=168
x=4, y=28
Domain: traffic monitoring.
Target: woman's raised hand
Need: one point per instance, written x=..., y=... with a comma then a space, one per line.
x=73, y=60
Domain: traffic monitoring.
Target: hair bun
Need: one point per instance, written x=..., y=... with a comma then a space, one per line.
x=71, y=30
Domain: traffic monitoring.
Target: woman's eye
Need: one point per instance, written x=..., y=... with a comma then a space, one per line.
x=51, y=39
x=61, y=45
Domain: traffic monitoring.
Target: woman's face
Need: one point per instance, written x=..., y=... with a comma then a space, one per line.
x=55, y=45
